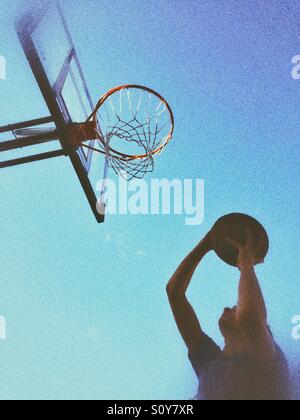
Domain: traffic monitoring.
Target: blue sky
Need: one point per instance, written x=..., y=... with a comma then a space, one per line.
x=86, y=309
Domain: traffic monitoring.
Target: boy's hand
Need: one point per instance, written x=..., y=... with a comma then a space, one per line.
x=247, y=253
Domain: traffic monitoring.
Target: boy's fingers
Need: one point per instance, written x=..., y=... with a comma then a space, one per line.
x=259, y=245
x=249, y=238
x=233, y=243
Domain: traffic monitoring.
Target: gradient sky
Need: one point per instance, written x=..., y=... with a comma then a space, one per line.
x=86, y=308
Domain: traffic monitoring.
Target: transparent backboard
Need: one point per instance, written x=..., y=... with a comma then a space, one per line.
x=48, y=46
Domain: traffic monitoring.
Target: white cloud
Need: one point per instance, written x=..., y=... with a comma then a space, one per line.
x=141, y=254
x=108, y=238
x=93, y=332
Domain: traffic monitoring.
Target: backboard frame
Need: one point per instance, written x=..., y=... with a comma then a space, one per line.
x=25, y=27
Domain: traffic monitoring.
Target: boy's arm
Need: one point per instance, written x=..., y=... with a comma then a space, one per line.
x=185, y=317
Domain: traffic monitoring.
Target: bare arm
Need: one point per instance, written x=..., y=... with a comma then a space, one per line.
x=251, y=303
x=251, y=310
x=185, y=317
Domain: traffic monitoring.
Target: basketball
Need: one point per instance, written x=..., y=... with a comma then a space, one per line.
x=234, y=226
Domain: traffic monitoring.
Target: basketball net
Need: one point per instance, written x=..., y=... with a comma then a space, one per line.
x=131, y=125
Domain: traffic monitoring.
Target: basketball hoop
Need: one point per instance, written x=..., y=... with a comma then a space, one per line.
x=131, y=124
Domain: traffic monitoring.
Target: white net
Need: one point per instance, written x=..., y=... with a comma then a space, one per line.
x=133, y=125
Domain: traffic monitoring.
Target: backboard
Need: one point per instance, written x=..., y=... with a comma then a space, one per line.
x=48, y=46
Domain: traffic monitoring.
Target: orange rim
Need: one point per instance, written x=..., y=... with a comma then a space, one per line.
x=120, y=155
